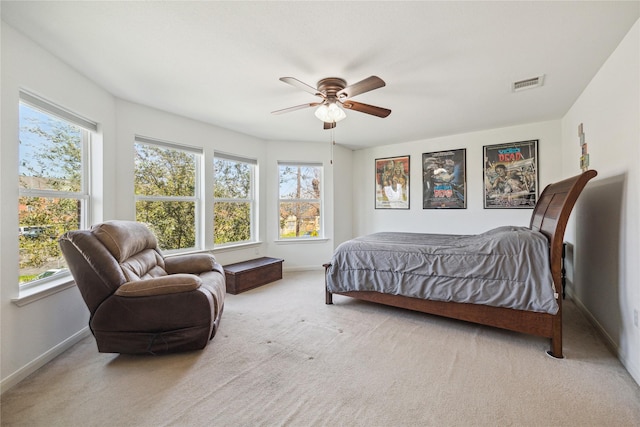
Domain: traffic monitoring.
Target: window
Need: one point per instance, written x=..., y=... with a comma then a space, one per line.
x=167, y=191
x=300, y=200
x=234, y=208
x=53, y=184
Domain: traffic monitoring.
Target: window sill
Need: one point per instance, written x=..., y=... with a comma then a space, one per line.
x=301, y=240
x=235, y=247
x=34, y=293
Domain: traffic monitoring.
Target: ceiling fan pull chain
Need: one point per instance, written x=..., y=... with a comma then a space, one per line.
x=333, y=142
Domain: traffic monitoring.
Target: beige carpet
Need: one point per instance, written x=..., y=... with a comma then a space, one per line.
x=284, y=358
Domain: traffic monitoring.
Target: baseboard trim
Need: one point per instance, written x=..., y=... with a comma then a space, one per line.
x=28, y=369
x=302, y=268
x=633, y=370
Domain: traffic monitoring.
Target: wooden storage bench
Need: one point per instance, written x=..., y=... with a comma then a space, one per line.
x=246, y=275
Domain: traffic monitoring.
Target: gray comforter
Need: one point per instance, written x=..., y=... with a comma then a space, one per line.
x=504, y=267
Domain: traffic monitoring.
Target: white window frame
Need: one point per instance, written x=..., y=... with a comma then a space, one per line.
x=251, y=199
x=196, y=198
x=37, y=288
x=321, y=234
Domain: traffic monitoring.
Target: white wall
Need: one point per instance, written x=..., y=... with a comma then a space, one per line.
x=37, y=332
x=342, y=194
x=607, y=222
x=474, y=219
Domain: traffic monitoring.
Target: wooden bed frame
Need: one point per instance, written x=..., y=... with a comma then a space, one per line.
x=550, y=217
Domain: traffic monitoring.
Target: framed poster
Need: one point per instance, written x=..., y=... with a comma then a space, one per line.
x=511, y=175
x=444, y=182
x=392, y=183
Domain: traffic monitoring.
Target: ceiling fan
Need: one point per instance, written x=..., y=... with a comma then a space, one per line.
x=336, y=95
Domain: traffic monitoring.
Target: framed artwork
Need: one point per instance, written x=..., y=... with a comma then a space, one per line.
x=444, y=182
x=392, y=183
x=511, y=175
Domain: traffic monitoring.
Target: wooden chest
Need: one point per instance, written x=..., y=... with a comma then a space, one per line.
x=246, y=275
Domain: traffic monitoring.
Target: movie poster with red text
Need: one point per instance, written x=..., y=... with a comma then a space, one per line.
x=511, y=175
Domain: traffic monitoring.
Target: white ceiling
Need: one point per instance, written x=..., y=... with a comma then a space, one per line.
x=448, y=65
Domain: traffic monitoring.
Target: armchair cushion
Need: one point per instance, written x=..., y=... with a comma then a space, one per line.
x=143, y=265
x=164, y=285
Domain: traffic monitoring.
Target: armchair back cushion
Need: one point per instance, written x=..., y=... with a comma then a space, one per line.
x=134, y=247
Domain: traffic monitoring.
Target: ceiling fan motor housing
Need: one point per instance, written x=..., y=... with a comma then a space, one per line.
x=331, y=86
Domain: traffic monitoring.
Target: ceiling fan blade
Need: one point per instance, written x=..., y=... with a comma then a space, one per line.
x=366, y=108
x=370, y=83
x=297, y=107
x=301, y=85
x=329, y=125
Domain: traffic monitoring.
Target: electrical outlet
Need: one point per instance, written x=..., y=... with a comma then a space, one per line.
x=635, y=317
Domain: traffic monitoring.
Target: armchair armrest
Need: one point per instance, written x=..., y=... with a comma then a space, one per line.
x=191, y=263
x=171, y=284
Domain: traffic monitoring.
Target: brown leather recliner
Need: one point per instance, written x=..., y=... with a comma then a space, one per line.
x=140, y=301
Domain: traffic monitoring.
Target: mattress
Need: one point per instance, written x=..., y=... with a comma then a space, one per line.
x=504, y=267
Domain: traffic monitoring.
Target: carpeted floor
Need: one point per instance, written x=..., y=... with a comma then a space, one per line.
x=284, y=358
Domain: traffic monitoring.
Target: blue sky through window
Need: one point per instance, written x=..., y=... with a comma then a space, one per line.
x=33, y=144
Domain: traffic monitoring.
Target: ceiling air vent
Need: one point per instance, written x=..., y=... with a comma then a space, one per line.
x=528, y=83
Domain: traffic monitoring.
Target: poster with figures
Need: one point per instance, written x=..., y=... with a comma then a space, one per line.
x=511, y=175
x=444, y=182
x=392, y=183
x=584, y=156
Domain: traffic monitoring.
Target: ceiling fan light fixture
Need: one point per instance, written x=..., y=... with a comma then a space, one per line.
x=330, y=113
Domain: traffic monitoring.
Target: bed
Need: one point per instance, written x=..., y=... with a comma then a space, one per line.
x=447, y=275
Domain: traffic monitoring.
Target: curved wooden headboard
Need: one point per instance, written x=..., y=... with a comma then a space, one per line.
x=551, y=214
